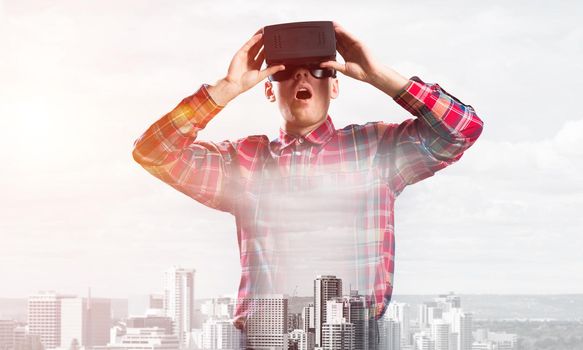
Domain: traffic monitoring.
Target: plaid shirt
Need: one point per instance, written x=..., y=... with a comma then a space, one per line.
x=293, y=185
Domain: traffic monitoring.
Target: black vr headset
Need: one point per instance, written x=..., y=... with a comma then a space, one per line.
x=305, y=44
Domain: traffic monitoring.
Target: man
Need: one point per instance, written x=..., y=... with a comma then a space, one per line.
x=316, y=200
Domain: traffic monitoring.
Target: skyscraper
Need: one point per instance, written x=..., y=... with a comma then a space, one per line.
x=440, y=335
x=325, y=288
x=7, y=328
x=44, y=317
x=303, y=340
x=220, y=334
x=145, y=304
x=266, y=326
x=448, y=301
x=401, y=312
x=466, y=340
x=389, y=334
x=423, y=342
x=88, y=320
x=308, y=318
x=426, y=313
x=357, y=312
x=179, y=301
x=338, y=336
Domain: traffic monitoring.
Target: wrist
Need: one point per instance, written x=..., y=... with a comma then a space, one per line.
x=222, y=92
x=388, y=80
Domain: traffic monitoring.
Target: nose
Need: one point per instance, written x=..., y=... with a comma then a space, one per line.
x=301, y=72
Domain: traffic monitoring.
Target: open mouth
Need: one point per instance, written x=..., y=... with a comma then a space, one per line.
x=303, y=94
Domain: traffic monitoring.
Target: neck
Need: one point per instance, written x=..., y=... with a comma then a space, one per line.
x=298, y=131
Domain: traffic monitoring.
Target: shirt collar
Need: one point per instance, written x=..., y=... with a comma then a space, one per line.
x=318, y=136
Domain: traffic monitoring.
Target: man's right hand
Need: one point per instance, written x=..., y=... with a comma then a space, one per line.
x=244, y=71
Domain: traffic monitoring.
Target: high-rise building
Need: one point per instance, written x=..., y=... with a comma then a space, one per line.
x=358, y=313
x=266, y=326
x=20, y=333
x=146, y=304
x=7, y=328
x=335, y=311
x=220, y=334
x=389, y=334
x=228, y=337
x=423, y=341
x=86, y=321
x=401, y=312
x=449, y=301
x=308, y=318
x=461, y=325
x=465, y=331
x=294, y=321
x=440, y=335
x=338, y=336
x=454, y=339
x=150, y=321
x=218, y=308
x=44, y=317
x=326, y=287
x=144, y=339
x=179, y=301
x=427, y=313
x=302, y=339
x=25, y=341
x=434, y=314
x=156, y=301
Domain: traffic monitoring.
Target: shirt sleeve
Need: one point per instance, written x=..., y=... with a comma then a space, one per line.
x=169, y=151
x=416, y=148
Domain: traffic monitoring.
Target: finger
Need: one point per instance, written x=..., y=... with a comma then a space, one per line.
x=339, y=30
x=270, y=70
x=341, y=67
x=254, y=50
x=254, y=39
x=344, y=38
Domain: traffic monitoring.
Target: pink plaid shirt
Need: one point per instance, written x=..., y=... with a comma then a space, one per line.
x=286, y=194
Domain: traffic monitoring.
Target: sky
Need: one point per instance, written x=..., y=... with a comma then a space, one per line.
x=81, y=81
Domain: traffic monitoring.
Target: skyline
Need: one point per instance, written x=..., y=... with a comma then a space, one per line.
x=77, y=211
x=443, y=308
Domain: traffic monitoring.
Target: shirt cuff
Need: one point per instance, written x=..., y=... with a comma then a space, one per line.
x=409, y=96
x=201, y=107
x=416, y=99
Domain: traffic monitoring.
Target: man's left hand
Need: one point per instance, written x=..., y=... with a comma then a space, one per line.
x=358, y=60
x=360, y=64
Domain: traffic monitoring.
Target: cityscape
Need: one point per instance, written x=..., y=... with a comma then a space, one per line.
x=333, y=318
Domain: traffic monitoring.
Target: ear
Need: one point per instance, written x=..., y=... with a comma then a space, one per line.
x=334, y=88
x=269, y=93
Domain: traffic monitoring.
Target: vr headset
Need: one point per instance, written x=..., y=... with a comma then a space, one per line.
x=303, y=44
x=299, y=43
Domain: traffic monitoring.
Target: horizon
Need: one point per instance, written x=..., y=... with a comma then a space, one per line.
x=297, y=296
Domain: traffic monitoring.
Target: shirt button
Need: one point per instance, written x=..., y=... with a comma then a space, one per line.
x=301, y=140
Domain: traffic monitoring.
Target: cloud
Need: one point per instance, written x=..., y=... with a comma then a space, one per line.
x=80, y=82
x=513, y=206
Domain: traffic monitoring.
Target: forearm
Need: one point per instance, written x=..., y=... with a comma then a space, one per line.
x=170, y=151
x=441, y=112
x=444, y=128
x=388, y=80
x=222, y=92
x=175, y=131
